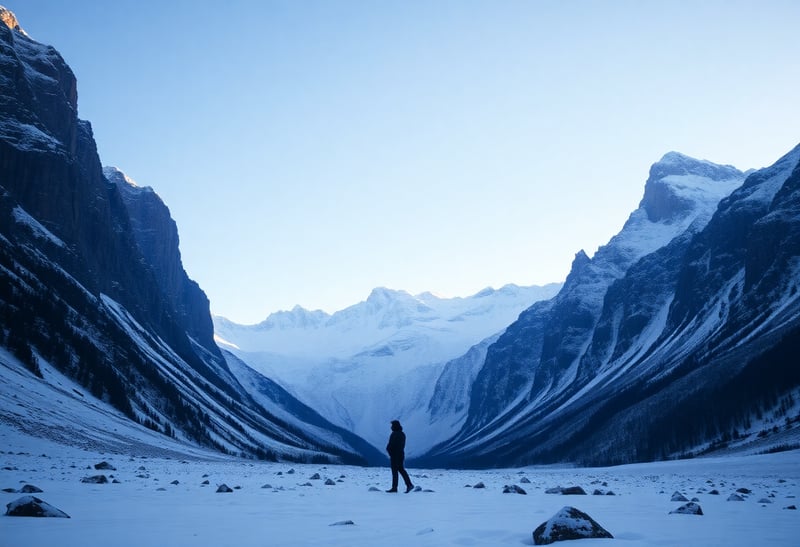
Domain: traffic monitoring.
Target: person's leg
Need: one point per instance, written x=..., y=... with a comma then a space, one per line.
x=394, y=476
x=406, y=478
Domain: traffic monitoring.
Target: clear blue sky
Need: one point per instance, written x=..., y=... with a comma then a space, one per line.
x=310, y=151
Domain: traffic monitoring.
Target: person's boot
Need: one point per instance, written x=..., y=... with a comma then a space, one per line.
x=392, y=491
x=409, y=488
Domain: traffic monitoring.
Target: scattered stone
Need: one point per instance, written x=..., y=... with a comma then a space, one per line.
x=791, y=507
x=480, y=485
x=696, y=500
x=427, y=491
x=237, y=487
x=744, y=491
x=610, y=493
x=95, y=479
x=205, y=476
x=735, y=497
x=714, y=492
x=374, y=489
x=205, y=483
x=224, y=489
x=343, y=523
x=573, y=491
x=267, y=486
x=175, y=482
x=330, y=482
x=765, y=500
x=525, y=480
x=290, y=472
x=598, y=492
x=31, y=506
x=690, y=508
x=104, y=466
x=10, y=490
x=141, y=468
x=677, y=496
x=314, y=477
x=115, y=481
x=568, y=523
x=554, y=490
x=30, y=489
x=513, y=489
x=305, y=484
x=162, y=489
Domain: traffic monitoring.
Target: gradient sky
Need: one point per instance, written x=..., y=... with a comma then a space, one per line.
x=310, y=151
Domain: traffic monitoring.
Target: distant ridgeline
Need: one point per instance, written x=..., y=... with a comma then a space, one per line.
x=680, y=336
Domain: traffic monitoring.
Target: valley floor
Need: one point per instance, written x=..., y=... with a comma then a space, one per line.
x=282, y=505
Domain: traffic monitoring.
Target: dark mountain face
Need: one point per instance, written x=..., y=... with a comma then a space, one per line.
x=655, y=354
x=91, y=281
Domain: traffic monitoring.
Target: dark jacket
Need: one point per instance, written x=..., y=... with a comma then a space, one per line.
x=397, y=442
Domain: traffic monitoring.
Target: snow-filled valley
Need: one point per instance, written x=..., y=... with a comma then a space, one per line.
x=174, y=501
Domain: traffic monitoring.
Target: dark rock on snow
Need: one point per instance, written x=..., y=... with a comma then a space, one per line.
x=513, y=489
x=224, y=489
x=677, y=496
x=95, y=479
x=30, y=489
x=104, y=466
x=31, y=506
x=568, y=523
x=690, y=508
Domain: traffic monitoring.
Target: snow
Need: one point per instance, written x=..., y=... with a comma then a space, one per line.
x=145, y=508
x=22, y=217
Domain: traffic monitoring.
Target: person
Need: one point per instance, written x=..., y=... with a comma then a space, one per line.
x=396, y=449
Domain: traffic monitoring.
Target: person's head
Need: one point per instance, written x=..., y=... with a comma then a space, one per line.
x=396, y=426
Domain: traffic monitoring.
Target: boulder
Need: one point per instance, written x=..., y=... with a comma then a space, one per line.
x=31, y=506
x=330, y=482
x=479, y=485
x=735, y=497
x=30, y=489
x=224, y=489
x=573, y=491
x=568, y=523
x=677, y=496
x=690, y=508
x=513, y=489
x=95, y=479
x=104, y=466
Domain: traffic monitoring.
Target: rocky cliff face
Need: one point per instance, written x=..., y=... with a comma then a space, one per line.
x=92, y=286
x=665, y=342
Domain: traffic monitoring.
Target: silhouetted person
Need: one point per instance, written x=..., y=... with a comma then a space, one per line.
x=396, y=449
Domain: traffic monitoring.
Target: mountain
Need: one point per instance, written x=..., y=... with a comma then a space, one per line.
x=677, y=337
x=379, y=359
x=93, y=292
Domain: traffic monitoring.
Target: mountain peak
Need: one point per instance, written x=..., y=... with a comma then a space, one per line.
x=9, y=19
x=678, y=183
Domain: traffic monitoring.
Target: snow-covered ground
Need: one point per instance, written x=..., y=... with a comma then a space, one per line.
x=281, y=504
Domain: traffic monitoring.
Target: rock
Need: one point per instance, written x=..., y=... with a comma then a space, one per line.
x=31, y=506
x=554, y=490
x=104, y=466
x=677, y=496
x=791, y=507
x=224, y=489
x=343, y=523
x=744, y=491
x=10, y=490
x=735, y=497
x=175, y=482
x=513, y=489
x=267, y=486
x=568, y=523
x=330, y=482
x=714, y=492
x=480, y=485
x=690, y=508
x=95, y=479
x=525, y=480
x=374, y=489
x=30, y=489
x=205, y=483
x=314, y=477
x=765, y=500
x=573, y=491
x=290, y=472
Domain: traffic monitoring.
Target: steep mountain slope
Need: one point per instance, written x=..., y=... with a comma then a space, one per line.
x=652, y=353
x=92, y=286
x=379, y=359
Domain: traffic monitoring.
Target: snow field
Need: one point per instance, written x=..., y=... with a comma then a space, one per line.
x=300, y=511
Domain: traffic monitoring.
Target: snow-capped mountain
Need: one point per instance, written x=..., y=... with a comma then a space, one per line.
x=378, y=359
x=93, y=292
x=677, y=336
